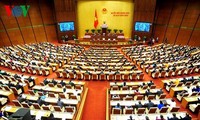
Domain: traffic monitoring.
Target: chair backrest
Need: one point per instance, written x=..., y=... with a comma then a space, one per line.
x=111, y=77
x=16, y=102
x=152, y=110
x=65, y=75
x=42, y=84
x=170, y=73
x=188, y=83
x=125, y=88
x=116, y=111
x=162, y=96
x=133, y=76
x=118, y=77
x=175, y=109
x=59, y=85
x=40, y=93
x=86, y=76
x=126, y=76
x=45, y=108
x=179, y=84
x=61, y=95
x=25, y=105
x=195, y=82
x=151, y=97
x=36, y=106
x=57, y=108
x=194, y=94
x=58, y=74
x=31, y=92
x=128, y=111
x=140, y=111
x=141, y=76
x=69, y=109
x=6, y=88
x=152, y=87
x=94, y=76
x=78, y=87
x=51, y=85
x=140, y=97
x=14, y=90
x=51, y=95
x=134, y=87
x=71, y=75
x=163, y=74
x=163, y=110
x=73, y=97
x=68, y=86
x=102, y=76
x=115, y=87
x=79, y=76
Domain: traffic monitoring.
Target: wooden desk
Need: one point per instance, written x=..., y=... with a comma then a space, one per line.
x=126, y=92
x=142, y=117
x=187, y=100
x=177, y=89
x=43, y=113
x=8, y=94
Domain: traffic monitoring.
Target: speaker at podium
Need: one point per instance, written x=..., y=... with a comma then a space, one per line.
x=104, y=27
x=21, y=114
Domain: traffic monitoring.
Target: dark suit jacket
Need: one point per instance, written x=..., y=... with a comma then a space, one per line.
x=173, y=118
x=150, y=104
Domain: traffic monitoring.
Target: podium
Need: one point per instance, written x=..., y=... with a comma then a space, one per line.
x=104, y=30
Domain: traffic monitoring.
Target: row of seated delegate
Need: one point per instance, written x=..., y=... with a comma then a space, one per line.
x=60, y=98
x=101, y=76
x=186, y=90
x=100, y=64
x=164, y=59
x=41, y=58
x=16, y=83
x=133, y=103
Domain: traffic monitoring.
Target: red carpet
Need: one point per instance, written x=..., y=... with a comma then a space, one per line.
x=95, y=104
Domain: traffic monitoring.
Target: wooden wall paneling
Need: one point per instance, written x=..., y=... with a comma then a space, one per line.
x=47, y=11
x=194, y=37
x=160, y=33
x=175, y=41
x=4, y=35
x=15, y=37
x=28, y=35
x=171, y=34
x=144, y=10
x=42, y=20
x=40, y=35
x=183, y=36
x=51, y=33
x=65, y=11
x=167, y=25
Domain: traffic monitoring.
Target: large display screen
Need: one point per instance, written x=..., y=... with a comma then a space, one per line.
x=66, y=26
x=142, y=26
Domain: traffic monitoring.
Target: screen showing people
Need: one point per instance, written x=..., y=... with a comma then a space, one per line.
x=66, y=26
x=142, y=26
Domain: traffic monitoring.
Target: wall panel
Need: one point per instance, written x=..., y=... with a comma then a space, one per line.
x=144, y=10
x=183, y=36
x=15, y=37
x=40, y=34
x=171, y=35
x=28, y=35
x=4, y=38
x=51, y=33
x=189, y=20
x=195, y=38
